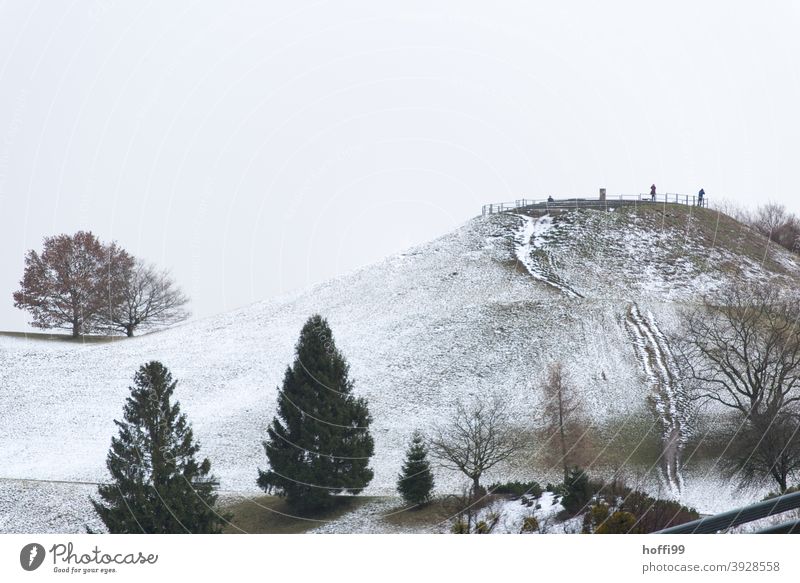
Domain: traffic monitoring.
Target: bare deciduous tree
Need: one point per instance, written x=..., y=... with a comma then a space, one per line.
x=145, y=298
x=477, y=438
x=563, y=415
x=777, y=224
x=768, y=447
x=772, y=220
x=742, y=349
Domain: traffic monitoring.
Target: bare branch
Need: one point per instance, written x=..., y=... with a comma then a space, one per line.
x=478, y=437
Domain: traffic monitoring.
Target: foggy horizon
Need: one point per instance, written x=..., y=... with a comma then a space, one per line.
x=257, y=150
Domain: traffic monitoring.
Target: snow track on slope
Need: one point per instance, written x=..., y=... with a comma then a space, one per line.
x=654, y=353
x=528, y=246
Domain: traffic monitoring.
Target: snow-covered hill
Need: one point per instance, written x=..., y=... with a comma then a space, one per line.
x=479, y=311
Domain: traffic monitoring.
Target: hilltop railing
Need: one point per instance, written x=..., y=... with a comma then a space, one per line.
x=610, y=201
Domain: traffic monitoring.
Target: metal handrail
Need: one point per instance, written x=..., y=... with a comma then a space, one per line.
x=791, y=527
x=579, y=202
x=727, y=520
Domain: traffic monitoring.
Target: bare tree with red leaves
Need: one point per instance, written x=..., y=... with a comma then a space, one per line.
x=68, y=284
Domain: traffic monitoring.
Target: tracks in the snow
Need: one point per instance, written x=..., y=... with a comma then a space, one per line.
x=653, y=352
x=650, y=344
x=535, y=259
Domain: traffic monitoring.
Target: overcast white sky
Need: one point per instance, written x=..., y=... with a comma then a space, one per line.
x=257, y=147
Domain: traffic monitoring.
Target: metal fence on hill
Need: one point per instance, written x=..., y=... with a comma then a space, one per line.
x=608, y=202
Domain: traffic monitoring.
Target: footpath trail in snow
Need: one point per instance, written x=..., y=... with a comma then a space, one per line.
x=656, y=358
x=528, y=243
x=369, y=519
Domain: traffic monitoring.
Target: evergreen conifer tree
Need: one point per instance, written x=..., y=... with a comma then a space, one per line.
x=577, y=491
x=157, y=484
x=415, y=482
x=319, y=443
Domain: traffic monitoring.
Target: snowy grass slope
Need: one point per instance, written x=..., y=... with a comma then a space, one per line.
x=457, y=317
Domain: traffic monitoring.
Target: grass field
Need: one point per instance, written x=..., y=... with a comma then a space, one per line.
x=271, y=515
x=51, y=336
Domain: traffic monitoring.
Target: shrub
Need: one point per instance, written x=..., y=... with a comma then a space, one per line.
x=620, y=522
x=528, y=489
x=529, y=525
x=597, y=515
x=655, y=514
x=650, y=514
x=459, y=527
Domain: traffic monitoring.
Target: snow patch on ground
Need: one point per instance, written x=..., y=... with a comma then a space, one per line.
x=367, y=519
x=41, y=507
x=512, y=514
x=530, y=240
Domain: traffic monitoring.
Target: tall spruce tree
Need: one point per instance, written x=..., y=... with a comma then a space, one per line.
x=415, y=482
x=157, y=484
x=319, y=443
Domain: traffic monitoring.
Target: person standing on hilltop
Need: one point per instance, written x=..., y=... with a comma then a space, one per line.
x=700, y=197
x=653, y=193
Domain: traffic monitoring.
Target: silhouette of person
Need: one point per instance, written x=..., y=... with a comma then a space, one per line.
x=701, y=197
x=653, y=193
x=550, y=198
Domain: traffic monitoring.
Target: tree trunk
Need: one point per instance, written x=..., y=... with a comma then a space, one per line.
x=476, y=485
x=780, y=477
x=129, y=331
x=76, y=328
x=561, y=431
